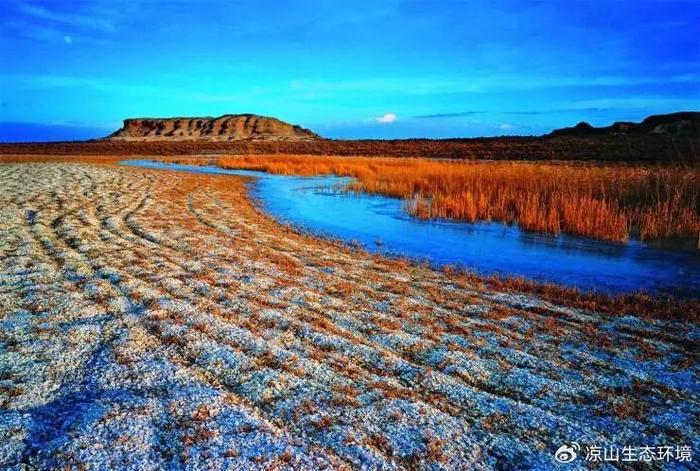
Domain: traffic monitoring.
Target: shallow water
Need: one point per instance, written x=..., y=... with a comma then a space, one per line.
x=318, y=205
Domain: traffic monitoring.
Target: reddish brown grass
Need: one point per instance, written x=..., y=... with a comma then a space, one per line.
x=323, y=422
x=435, y=449
x=381, y=443
x=608, y=202
x=629, y=147
x=640, y=304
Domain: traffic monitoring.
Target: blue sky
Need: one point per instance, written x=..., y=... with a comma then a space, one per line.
x=382, y=69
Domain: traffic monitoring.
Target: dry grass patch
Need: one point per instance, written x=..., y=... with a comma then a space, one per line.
x=602, y=201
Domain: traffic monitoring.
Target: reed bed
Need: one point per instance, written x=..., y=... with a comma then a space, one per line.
x=609, y=202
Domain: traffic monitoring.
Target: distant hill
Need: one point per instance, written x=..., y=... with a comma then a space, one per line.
x=683, y=124
x=671, y=138
x=230, y=127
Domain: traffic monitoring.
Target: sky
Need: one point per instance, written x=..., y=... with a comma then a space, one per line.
x=356, y=69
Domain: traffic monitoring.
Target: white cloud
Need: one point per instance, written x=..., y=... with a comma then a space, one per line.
x=387, y=118
x=506, y=126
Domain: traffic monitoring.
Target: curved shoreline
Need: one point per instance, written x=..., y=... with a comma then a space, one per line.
x=579, y=262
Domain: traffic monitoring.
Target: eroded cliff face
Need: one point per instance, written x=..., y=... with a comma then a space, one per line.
x=224, y=128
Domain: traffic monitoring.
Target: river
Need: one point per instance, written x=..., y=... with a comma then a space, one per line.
x=319, y=205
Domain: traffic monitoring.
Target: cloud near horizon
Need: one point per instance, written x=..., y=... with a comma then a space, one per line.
x=386, y=118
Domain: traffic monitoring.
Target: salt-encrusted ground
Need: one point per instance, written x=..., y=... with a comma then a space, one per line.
x=155, y=320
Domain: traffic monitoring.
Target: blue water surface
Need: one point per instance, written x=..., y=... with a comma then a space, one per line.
x=320, y=206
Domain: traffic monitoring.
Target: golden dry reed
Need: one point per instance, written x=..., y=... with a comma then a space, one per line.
x=610, y=202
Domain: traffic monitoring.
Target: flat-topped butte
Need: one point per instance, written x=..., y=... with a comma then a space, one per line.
x=230, y=127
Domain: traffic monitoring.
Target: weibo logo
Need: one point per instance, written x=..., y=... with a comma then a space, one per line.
x=566, y=453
